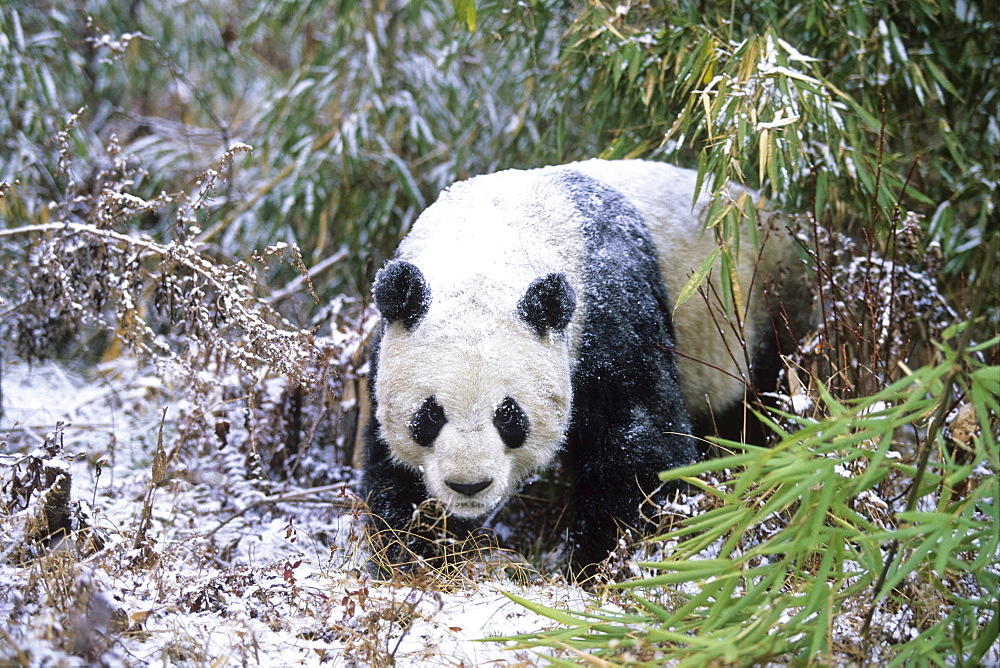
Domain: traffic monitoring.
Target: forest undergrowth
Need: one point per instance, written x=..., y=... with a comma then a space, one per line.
x=183, y=332
x=223, y=487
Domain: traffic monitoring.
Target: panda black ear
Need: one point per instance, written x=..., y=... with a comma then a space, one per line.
x=548, y=304
x=401, y=293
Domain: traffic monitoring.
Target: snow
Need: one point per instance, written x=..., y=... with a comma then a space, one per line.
x=220, y=579
x=232, y=570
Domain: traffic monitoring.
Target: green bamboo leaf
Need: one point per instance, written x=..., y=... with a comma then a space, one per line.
x=751, y=455
x=698, y=278
x=661, y=613
x=939, y=76
x=465, y=10
x=561, y=616
x=763, y=148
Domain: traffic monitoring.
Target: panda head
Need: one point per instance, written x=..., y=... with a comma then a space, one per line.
x=473, y=385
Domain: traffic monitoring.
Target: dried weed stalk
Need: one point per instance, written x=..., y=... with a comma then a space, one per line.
x=881, y=308
x=85, y=275
x=37, y=512
x=86, y=271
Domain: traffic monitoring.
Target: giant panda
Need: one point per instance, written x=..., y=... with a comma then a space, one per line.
x=529, y=313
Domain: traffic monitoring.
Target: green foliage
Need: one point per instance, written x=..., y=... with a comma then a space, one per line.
x=465, y=10
x=358, y=113
x=842, y=110
x=800, y=540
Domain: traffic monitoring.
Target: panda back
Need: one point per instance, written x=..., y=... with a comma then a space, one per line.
x=712, y=364
x=487, y=238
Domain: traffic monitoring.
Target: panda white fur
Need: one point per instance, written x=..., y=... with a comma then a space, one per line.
x=532, y=311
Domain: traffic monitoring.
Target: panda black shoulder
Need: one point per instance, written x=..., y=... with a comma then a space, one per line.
x=619, y=254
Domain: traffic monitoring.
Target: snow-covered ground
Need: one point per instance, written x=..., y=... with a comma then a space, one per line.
x=216, y=564
x=228, y=572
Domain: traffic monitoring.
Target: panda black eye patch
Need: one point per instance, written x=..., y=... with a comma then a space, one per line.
x=427, y=422
x=511, y=423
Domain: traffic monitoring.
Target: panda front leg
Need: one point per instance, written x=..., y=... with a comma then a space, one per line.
x=403, y=530
x=618, y=453
x=393, y=495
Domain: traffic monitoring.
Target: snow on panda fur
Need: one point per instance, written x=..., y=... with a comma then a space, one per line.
x=532, y=311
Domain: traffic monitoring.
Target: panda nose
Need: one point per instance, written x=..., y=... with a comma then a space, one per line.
x=469, y=488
